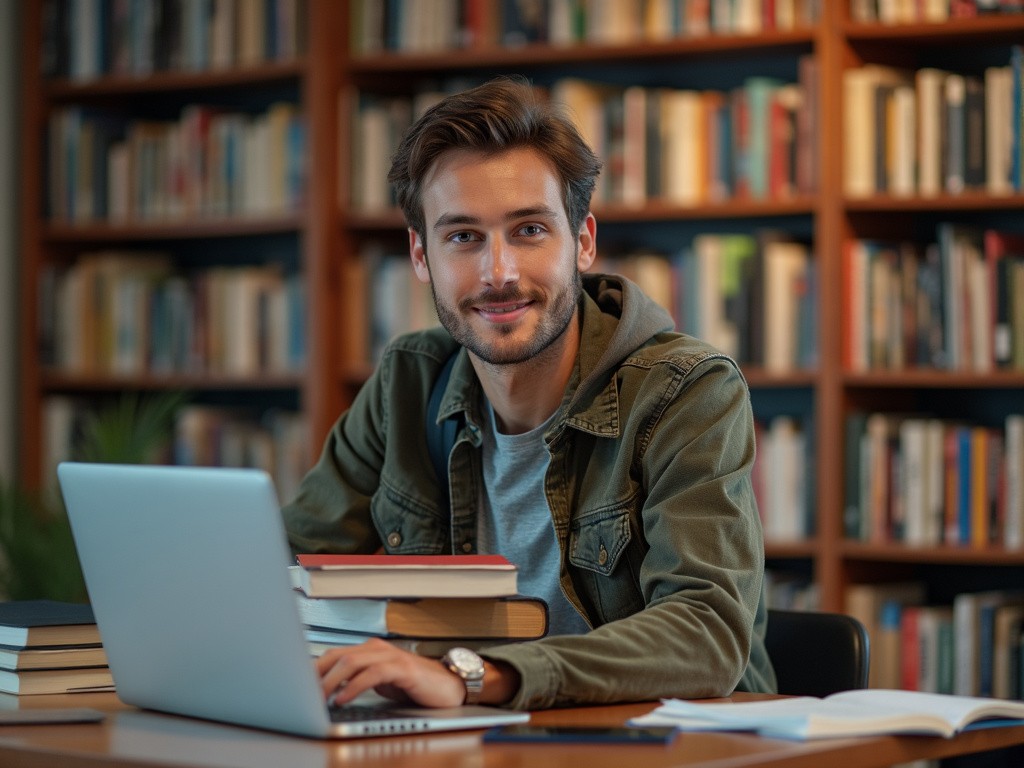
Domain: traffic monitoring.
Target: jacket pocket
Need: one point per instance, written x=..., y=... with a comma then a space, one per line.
x=406, y=527
x=604, y=564
x=598, y=539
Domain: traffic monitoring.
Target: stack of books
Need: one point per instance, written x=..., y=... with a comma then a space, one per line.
x=425, y=604
x=48, y=646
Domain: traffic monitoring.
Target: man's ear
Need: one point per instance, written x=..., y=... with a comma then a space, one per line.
x=586, y=253
x=418, y=254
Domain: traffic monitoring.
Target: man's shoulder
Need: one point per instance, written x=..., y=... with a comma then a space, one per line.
x=432, y=345
x=679, y=350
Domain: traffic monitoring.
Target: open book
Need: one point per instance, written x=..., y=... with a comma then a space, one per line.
x=849, y=713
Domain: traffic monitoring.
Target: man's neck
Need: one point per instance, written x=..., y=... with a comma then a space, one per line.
x=524, y=395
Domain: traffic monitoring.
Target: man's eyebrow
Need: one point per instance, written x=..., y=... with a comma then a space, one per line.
x=449, y=219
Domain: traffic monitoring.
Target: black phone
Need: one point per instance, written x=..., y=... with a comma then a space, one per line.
x=618, y=734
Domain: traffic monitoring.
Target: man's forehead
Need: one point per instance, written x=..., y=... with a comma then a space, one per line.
x=467, y=186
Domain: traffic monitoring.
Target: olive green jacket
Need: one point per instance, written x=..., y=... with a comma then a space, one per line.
x=648, y=486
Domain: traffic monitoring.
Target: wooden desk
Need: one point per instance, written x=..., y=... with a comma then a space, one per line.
x=131, y=737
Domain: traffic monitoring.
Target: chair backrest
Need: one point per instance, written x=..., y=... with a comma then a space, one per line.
x=816, y=653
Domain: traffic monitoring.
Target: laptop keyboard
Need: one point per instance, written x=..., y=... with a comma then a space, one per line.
x=355, y=713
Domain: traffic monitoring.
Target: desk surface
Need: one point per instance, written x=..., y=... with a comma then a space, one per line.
x=132, y=737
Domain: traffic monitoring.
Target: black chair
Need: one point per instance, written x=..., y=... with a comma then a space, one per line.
x=815, y=653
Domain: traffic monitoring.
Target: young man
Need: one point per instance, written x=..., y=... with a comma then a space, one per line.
x=604, y=454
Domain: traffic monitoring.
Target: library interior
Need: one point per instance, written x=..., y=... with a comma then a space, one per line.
x=210, y=261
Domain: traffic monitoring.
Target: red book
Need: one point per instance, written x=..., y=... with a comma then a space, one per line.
x=406, y=575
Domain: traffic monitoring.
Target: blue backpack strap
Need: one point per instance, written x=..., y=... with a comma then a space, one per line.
x=441, y=437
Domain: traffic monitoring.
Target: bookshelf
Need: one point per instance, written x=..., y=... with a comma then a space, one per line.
x=350, y=62
x=162, y=134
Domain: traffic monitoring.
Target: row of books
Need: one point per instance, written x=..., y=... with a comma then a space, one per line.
x=930, y=131
x=933, y=11
x=927, y=481
x=754, y=297
x=954, y=304
x=203, y=435
x=130, y=313
x=437, y=25
x=215, y=436
x=48, y=646
x=783, y=485
x=790, y=590
x=208, y=162
x=87, y=39
x=973, y=646
x=425, y=604
x=382, y=298
x=687, y=146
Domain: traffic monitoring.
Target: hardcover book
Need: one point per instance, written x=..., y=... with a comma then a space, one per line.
x=406, y=576
x=520, y=618
x=34, y=681
x=34, y=623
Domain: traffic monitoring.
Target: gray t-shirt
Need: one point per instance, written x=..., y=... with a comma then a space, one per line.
x=515, y=521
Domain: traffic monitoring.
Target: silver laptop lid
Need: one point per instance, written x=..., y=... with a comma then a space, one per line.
x=186, y=573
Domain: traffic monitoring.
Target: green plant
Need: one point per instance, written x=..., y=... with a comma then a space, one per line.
x=39, y=558
x=37, y=552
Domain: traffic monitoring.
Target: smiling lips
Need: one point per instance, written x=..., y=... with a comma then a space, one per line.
x=503, y=313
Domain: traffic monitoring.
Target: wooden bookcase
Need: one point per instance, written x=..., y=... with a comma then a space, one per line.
x=331, y=234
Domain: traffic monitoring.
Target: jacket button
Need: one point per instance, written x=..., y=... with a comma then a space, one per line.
x=467, y=547
x=602, y=556
x=394, y=539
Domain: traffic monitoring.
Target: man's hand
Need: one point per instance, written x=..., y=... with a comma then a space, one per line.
x=392, y=672
x=402, y=676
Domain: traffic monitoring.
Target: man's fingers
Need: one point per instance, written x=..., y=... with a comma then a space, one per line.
x=377, y=665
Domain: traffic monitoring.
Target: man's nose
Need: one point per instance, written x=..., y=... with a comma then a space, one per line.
x=499, y=266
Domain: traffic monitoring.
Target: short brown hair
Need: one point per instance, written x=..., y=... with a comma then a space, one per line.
x=504, y=113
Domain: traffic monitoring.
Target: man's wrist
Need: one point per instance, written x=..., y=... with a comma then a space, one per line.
x=501, y=682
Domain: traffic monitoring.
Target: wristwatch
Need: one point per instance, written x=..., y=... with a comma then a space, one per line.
x=470, y=667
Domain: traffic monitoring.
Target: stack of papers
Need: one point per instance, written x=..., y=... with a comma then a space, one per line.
x=850, y=713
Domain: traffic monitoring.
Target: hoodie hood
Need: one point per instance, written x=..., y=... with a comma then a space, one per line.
x=618, y=319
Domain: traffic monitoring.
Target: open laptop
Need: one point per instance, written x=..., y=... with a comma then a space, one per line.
x=186, y=572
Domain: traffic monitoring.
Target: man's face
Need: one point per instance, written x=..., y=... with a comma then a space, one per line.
x=504, y=266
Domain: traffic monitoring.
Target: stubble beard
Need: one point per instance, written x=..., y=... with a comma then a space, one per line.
x=551, y=328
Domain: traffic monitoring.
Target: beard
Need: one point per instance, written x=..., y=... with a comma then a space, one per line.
x=507, y=350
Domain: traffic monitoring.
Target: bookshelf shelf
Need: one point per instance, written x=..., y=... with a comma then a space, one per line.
x=988, y=29
x=266, y=73
x=542, y=56
x=69, y=384
x=909, y=378
x=966, y=201
x=791, y=550
x=896, y=553
x=174, y=229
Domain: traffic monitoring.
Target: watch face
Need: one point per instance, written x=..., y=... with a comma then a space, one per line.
x=466, y=660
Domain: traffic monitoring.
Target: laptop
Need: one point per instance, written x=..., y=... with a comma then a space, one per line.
x=186, y=570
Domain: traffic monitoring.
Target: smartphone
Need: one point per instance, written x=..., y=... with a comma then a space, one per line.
x=580, y=734
x=43, y=715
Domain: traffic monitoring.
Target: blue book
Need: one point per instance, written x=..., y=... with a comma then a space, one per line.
x=963, y=470
x=1017, y=67
x=760, y=92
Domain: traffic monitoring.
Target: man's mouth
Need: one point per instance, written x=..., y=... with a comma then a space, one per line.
x=503, y=313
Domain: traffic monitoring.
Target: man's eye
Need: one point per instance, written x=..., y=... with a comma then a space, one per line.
x=531, y=229
x=462, y=237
